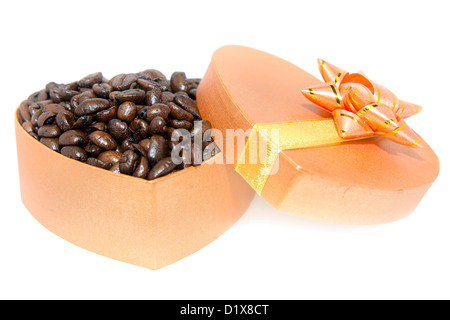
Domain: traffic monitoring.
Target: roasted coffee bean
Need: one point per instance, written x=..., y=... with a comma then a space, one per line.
x=158, y=149
x=103, y=140
x=193, y=93
x=181, y=93
x=123, y=81
x=141, y=170
x=91, y=106
x=126, y=144
x=139, y=149
x=99, y=163
x=27, y=126
x=112, y=157
x=53, y=107
x=201, y=130
x=164, y=85
x=147, y=85
x=52, y=143
x=151, y=74
x=65, y=120
x=178, y=82
x=106, y=115
x=142, y=113
x=73, y=138
x=67, y=105
x=118, y=129
x=23, y=111
x=162, y=168
x=140, y=127
x=102, y=90
x=90, y=80
x=35, y=117
x=39, y=96
x=167, y=97
x=187, y=104
x=115, y=168
x=158, y=110
x=49, y=131
x=86, y=95
x=74, y=152
x=157, y=126
x=92, y=149
x=64, y=93
x=82, y=122
x=96, y=126
x=131, y=95
x=126, y=111
x=179, y=113
x=145, y=144
x=128, y=162
x=153, y=96
x=180, y=124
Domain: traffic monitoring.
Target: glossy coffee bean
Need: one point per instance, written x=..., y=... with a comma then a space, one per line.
x=180, y=124
x=151, y=74
x=131, y=95
x=178, y=82
x=128, y=162
x=27, y=126
x=23, y=111
x=167, y=97
x=52, y=143
x=99, y=163
x=82, y=122
x=53, y=107
x=153, y=96
x=73, y=138
x=179, y=113
x=140, y=127
x=147, y=85
x=112, y=157
x=187, y=104
x=91, y=106
x=157, y=126
x=106, y=115
x=102, y=90
x=49, y=131
x=92, y=149
x=142, y=167
x=46, y=118
x=90, y=80
x=123, y=81
x=127, y=111
x=162, y=168
x=65, y=120
x=74, y=152
x=158, y=110
x=118, y=129
x=158, y=149
x=103, y=140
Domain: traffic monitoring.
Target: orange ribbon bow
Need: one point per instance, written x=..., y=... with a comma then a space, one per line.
x=361, y=107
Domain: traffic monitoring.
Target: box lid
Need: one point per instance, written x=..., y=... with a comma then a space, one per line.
x=359, y=182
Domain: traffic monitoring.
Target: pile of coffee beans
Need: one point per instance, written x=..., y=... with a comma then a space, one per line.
x=131, y=124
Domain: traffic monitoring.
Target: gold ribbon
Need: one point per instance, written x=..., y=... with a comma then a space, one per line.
x=255, y=165
x=277, y=137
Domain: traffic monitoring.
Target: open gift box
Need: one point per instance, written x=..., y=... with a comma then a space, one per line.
x=155, y=223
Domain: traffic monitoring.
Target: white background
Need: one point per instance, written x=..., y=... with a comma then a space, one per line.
x=267, y=254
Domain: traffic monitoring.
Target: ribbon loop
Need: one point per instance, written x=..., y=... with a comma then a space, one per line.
x=361, y=107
